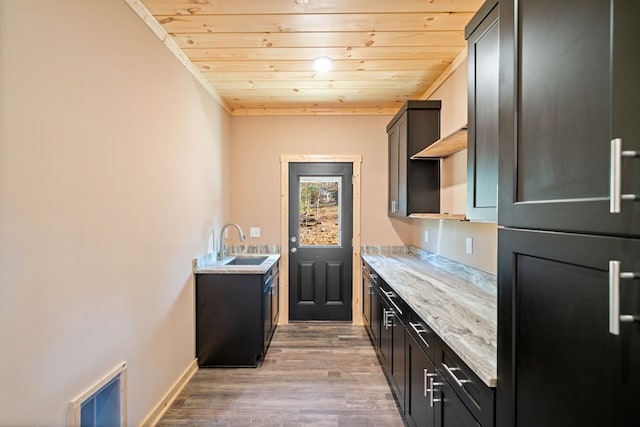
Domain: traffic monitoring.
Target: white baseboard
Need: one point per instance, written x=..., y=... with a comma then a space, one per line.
x=158, y=411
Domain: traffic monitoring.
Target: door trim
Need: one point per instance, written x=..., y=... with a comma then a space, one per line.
x=356, y=161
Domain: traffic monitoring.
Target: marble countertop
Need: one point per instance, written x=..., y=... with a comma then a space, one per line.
x=207, y=264
x=458, y=302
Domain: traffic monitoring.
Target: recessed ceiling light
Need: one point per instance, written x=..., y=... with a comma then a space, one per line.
x=302, y=1
x=322, y=64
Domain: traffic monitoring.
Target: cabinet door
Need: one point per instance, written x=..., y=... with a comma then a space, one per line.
x=451, y=411
x=275, y=301
x=397, y=178
x=398, y=359
x=558, y=363
x=420, y=407
x=376, y=318
x=367, y=289
x=569, y=88
x=482, y=146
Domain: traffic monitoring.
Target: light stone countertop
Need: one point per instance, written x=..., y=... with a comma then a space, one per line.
x=207, y=264
x=457, y=301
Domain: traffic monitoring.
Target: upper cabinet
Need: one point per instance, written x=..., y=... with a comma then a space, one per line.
x=414, y=185
x=483, y=39
x=568, y=116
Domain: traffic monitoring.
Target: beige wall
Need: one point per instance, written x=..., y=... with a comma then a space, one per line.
x=112, y=175
x=447, y=238
x=258, y=142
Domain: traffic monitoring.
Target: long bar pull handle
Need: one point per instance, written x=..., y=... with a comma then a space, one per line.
x=419, y=330
x=429, y=384
x=615, y=318
x=458, y=381
x=615, y=176
x=426, y=381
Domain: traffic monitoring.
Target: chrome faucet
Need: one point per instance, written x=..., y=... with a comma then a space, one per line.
x=220, y=255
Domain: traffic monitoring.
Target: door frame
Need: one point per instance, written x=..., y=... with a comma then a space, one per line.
x=356, y=161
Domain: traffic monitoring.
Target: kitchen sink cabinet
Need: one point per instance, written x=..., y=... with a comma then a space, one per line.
x=414, y=185
x=236, y=315
x=482, y=35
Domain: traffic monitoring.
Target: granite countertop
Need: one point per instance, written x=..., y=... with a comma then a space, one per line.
x=458, y=302
x=207, y=264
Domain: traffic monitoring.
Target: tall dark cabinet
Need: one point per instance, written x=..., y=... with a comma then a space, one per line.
x=483, y=38
x=568, y=252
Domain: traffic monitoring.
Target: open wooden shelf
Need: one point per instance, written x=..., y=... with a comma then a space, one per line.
x=444, y=147
x=458, y=217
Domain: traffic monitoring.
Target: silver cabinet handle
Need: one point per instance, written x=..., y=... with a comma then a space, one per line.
x=458, y=381
x=615, y=176
x=391, y=296
x=425, y=379
x=420, y=331
x=615, y=318
x=388, y=318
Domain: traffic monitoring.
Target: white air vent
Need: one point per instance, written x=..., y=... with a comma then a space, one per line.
x=102, y=404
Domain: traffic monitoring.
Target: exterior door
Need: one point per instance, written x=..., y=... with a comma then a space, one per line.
x=320, y=233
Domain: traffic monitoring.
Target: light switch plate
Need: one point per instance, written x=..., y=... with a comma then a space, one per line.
x=469, y=245
x=426, y=236
x=254, y=232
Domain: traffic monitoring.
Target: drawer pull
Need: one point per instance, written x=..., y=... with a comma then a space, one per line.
x=460, y=382
x=419, y=331
x=391, y=296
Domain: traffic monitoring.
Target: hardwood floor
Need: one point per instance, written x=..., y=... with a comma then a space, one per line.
x=314, y=374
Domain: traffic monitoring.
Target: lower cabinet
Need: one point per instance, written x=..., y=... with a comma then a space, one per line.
x=420, y=407
x=432, y=386
x=236, y=315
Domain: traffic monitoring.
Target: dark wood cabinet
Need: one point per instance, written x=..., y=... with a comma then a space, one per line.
x=451, y=411
x=420, y=408
x=483, y=39
x=432, y=386
x=236, y=315
x=414, y=185
x=568, y=73
x=568, y=96
x=555, y=288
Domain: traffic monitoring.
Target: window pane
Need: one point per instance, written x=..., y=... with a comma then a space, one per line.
x=320, y=210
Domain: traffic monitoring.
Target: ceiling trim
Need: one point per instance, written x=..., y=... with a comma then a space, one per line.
x=451, y=68
x=147, y=17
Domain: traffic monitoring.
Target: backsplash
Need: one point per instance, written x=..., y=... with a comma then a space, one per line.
x=252, y=249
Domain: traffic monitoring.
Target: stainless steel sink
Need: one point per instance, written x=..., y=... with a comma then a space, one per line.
x=246, y=260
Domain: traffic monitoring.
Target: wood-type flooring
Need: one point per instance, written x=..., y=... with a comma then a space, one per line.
x=314, y=374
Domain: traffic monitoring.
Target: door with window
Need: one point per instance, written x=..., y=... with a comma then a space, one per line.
x=320, y=248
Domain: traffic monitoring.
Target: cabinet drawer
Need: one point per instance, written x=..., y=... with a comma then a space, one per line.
x=422, y=333
x=476, y=395
x=396, y=304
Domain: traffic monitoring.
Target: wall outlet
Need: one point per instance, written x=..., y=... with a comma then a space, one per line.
x=469, y=245
x=254, y=232
x=426, y=236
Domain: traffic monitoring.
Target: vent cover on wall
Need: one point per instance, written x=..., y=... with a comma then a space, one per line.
x=102, y=404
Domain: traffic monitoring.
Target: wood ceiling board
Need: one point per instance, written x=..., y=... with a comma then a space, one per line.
x=221, y=86
x=256, y=52
x=292, y=53
x=199, y=7
x=314, y=22
x=311, y=75
x=316, y=111
x=305, y=66
x=333, y=39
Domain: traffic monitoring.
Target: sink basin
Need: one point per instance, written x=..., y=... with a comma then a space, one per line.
x=246, y=260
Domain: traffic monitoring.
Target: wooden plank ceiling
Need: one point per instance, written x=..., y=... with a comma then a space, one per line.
x=258, y=54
